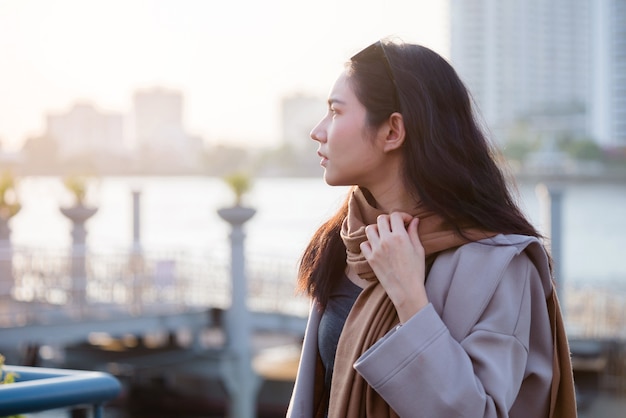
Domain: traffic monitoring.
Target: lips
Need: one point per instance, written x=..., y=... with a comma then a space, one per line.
x=324, y=159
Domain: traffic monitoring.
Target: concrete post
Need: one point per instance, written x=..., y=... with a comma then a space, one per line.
x=136, y=221
x=551, y=195
x=136, y=261
x=79, y=214
x=6, y=262
x=245, y=383
x=5, y=230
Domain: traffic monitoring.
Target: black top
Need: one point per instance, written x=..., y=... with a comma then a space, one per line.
x=341, y=299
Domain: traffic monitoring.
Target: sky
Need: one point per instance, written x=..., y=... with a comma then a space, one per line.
x=233, y=60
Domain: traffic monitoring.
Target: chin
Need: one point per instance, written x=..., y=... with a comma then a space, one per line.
x=333, y=181
x=329, y=180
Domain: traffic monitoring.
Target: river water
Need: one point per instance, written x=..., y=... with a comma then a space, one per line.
x=180, y=213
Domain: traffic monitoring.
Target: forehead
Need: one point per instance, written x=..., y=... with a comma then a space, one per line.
x=342, y=90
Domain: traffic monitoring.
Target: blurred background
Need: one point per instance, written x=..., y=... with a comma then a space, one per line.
x=126, y=125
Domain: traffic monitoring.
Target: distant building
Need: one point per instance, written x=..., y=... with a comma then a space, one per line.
x=85, y=130
x=608, y=102
x=299, y=114
x=157, y=113
x=525, y=62
x=9, y=160
x=158, y=126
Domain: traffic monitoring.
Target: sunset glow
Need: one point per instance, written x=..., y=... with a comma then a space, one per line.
x=232, y=61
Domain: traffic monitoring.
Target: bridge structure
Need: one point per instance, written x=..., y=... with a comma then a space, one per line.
x=145, y=314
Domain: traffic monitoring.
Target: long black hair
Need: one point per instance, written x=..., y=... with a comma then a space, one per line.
x=448, y=163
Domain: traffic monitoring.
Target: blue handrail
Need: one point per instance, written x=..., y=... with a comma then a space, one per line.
x=39, y=389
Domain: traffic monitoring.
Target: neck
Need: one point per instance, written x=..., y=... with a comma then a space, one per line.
x=392, y=198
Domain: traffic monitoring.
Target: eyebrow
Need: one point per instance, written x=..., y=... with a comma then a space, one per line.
x=334, y=100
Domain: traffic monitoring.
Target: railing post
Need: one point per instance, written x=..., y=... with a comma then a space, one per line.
x=551, y=195
x=6, y=259
x=79, y=214
x=245, y=383
x=137, y=265
x=136, y=220
x=98, y=411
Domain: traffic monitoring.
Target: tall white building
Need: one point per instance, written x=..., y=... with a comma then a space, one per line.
x=608, y=101
x=86, y=130
x=300, y=113
x=157, y=116
x=526, y=62
x=158, y=125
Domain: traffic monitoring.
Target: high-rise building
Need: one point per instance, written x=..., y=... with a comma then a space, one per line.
x=85, y=130
x=158, y=126
x=157, y=115
x=526, y=63
x=300, y=113
x=608, y=99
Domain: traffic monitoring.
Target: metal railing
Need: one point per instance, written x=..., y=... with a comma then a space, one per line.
x=42, y=286
x=40, y=389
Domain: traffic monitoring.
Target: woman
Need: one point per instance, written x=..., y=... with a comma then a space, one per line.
x=431, y=292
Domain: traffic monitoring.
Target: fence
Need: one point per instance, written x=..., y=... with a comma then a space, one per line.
x=39, y=389
x=44, y=286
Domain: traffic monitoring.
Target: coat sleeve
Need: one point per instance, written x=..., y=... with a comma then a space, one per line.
x=422, y=371
x=301, y=402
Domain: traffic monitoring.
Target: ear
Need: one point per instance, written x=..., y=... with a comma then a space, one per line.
x=394, y=132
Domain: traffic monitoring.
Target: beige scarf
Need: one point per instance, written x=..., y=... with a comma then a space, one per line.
x=436, y=235
x=373, y=313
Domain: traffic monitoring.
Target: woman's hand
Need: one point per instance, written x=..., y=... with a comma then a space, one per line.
x=396, y=255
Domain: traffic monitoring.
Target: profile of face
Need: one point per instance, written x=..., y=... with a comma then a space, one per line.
x=352, y=152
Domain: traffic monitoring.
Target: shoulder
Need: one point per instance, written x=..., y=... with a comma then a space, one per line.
x=499, y=246
x=466, y=278
x=497, y=253
x=492, y=256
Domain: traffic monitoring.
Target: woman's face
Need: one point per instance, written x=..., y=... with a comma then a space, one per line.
x=350, y=150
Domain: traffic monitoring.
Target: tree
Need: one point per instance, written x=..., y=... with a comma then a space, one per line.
x=581, y=149
x=9, y=204
x=239, y=183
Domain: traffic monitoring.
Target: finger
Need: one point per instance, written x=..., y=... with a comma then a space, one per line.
x=371, y=232
x=399, y=220
x=406, y=218
x=413, y=234
x=366, y=249
x=383, y=224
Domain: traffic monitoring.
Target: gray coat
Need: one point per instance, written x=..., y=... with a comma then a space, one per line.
x=481, y=348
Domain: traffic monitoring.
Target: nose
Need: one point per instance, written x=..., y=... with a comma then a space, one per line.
x=318, y=133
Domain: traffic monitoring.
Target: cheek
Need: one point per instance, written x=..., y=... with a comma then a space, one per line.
x=343, y=132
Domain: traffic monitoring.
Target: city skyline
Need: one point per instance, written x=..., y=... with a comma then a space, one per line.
x=233, y=62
